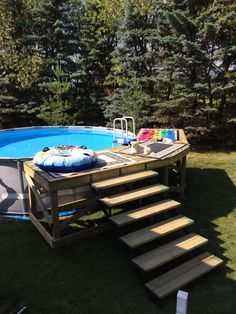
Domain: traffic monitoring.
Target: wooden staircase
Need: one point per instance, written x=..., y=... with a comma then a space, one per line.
x=183, y=257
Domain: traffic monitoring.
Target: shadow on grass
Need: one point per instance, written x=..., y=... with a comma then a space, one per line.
x=92, y=276
x=211, y=202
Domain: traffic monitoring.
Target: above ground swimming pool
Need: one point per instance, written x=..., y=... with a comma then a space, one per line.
x=18, y=145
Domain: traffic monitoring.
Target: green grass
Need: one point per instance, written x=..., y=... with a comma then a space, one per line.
x=95, y=275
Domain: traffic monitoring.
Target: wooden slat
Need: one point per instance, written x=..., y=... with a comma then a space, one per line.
x=87, y=233
x=143, y=212
x=32, y=200
x=38, y=198
x=183, y=138
x=102, y=175
x=142, y=175
x=31, y=170
x=133, y=195
x=82, y=212
x=157, y=163
x=75, y=204
x=41, y=229
x=68, y=200
x=168, y=252
x=133, y=167
x=68, y=182
x=180, y=276
x=156, y=231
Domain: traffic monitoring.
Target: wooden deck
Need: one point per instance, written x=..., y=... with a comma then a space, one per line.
x=51, y=194
x=85, y=177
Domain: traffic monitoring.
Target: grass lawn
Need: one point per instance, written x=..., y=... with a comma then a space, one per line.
x=95, y=275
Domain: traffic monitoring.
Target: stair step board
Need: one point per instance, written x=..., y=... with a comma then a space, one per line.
x=133, y=195
x=156, y=231
x=178, y=277
x=168, y=252
x=104, y=184
x=143, y=212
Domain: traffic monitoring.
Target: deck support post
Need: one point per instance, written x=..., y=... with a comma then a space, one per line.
x=55, y=215
x=32, y=200
x=182, y=176
x=165, y=179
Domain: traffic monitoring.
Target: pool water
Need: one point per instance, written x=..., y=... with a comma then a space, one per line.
x=26, y=142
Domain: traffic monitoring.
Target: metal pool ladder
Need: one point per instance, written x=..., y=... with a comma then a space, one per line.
x=123, y=136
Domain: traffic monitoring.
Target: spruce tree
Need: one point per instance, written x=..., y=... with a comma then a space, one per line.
x=19, y=66
x=33, y=37
x=97, y=40
x=55, y=31
x=198, y=68
x=130, y=82
x=56, y=110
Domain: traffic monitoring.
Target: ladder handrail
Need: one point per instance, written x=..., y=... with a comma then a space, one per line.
x=133, y=122
x=123, y=121
x=122, y=127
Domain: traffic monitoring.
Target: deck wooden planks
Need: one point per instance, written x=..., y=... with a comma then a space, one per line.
x=143, y=212
x=178, y=277
x=165, y=253
x=156, y=231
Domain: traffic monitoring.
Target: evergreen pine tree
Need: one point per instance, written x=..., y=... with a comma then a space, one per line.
x=55, y=31
x=130, y=83
x=198, y=69
x=97, y=40
x=55, y=109
x=33, y=37
x=19, y=66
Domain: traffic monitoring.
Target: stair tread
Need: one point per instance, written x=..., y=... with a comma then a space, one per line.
x=103, y=184
x=156, y=231
x=133, y=195
x=169, y=251
x=176, y=278
x=143, y=212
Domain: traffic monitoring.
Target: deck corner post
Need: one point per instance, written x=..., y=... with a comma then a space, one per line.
x=55, y=215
